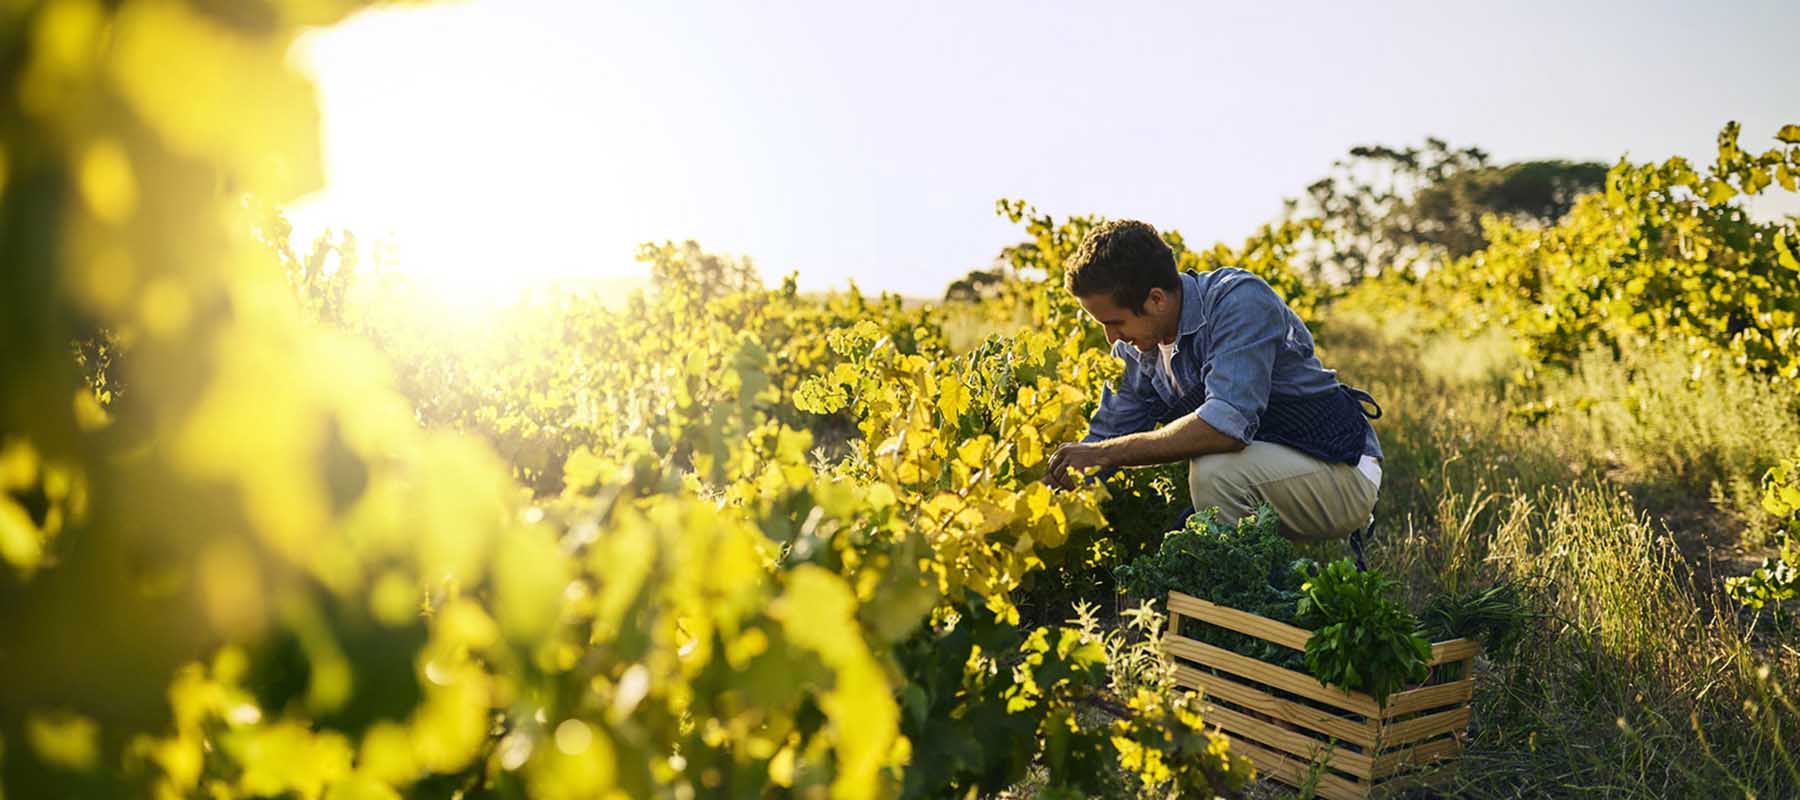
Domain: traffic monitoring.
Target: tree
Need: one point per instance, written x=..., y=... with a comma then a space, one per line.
x=709, y=274
x=978, y=285
x=1388, y=208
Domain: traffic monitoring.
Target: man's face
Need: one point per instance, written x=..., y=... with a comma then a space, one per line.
x=1143, y=331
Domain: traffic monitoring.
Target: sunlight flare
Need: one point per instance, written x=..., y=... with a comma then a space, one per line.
x=489, y=158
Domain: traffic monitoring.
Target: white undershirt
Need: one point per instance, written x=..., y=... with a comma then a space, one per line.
x=1167, y=351
x=1368, y=466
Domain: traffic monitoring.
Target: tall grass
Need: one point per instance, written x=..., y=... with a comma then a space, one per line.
x=1682, y=434
x=1585, y=488
x=1688, y=441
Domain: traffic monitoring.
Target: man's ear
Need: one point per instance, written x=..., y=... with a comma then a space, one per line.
x=1156, y=300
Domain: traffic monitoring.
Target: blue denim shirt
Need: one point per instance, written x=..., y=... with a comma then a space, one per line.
x=1237, y=342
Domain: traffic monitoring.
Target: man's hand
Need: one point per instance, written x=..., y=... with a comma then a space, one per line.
x=1069, y=460
x=1180, y=440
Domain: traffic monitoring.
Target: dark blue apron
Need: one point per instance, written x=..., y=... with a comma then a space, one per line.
x=1331, y=426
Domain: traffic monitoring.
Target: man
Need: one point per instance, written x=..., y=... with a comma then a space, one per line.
x=1228, y=369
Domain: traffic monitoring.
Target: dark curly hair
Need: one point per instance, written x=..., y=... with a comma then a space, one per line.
x=1123, y=259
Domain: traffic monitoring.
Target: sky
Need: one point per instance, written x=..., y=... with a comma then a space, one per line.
x=499, y=141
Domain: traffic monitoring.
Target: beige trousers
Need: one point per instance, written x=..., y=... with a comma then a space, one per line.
x=1315, y=500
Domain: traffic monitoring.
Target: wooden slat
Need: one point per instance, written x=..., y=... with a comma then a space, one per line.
x=1306, y=747
x=1286, y=680
x=1394, y=762
x=1442, y=694
x=1293, y=772
x=1291, y=636
x=1425, y=727
x=1276, y=678
x=1360, y=733
x=1453, y=650
x=1427, y=776
x=1243, y=622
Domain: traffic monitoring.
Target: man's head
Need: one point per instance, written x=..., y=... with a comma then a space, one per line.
x=1124, y=276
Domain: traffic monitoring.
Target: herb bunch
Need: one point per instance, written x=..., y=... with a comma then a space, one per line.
x=1497, y=616
x=1363, y=638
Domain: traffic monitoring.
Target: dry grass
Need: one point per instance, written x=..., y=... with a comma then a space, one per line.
x=1642, y=680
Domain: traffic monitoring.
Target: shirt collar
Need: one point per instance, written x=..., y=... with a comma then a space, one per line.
x=1193, y=316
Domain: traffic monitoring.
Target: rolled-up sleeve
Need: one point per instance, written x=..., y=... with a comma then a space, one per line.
x=1249, y=325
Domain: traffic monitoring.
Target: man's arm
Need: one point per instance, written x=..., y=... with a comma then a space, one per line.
x=1128, y=407
x=1180, y=440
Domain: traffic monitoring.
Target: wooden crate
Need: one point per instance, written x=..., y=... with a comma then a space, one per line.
x=1284, y=720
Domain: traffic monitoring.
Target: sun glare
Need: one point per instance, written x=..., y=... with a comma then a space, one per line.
x=491, y=159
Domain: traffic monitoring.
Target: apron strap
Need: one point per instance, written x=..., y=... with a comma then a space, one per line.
x=1363, y=397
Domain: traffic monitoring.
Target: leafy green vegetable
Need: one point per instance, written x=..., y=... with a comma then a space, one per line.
x=1363, y=638
x=1248, y=567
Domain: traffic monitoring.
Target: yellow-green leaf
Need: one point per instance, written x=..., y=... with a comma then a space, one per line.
x=63, y=739
x=21, y=544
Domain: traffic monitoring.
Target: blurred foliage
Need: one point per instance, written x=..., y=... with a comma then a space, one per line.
x=351, y=548
x=690, y=270
x=552, y=381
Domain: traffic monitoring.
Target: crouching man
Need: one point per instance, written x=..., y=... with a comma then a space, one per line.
x=1219, y=372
